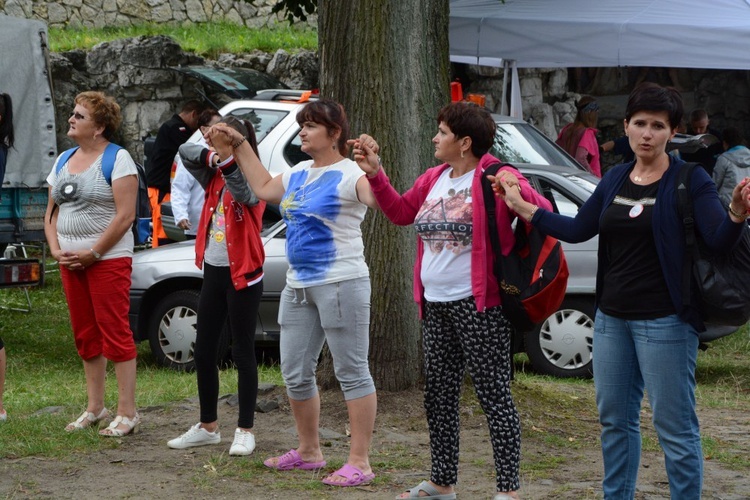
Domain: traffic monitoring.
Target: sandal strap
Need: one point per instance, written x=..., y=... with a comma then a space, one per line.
x=88, y=417
x=120, y=419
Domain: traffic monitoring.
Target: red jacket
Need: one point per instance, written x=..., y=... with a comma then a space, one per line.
x=243, y=226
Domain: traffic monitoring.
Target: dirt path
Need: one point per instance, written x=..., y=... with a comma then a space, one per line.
x=554, y=466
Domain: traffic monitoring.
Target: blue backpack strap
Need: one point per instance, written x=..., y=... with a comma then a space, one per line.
x=64, y=157
x=108, y=161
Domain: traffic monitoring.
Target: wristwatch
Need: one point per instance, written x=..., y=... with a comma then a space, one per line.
x=96, y=254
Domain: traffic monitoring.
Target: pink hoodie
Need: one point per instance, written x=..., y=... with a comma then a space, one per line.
x=402, y=210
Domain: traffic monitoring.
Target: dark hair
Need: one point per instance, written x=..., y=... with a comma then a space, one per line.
x=191, y=106
x=332, y=116
x=697, y=115
x=6, y=121
x=104, y=111
x=732, y=136
x=466, y=119
x=649, y=96
x=206, y=116
x=245, y=128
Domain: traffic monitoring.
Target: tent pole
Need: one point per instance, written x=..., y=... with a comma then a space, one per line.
x=504, y=102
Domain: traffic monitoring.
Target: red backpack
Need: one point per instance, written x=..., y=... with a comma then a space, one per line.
x=533, y=278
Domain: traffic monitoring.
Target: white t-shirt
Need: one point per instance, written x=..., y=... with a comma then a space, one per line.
x=323, y=216
x=87, y=206
x=444, y=222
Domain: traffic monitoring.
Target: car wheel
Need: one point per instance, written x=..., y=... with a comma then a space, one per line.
x=561, y=345
x=172, y=331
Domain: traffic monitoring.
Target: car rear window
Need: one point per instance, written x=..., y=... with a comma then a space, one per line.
x=264, y=120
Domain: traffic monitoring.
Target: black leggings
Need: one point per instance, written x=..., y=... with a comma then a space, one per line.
x=218, y=302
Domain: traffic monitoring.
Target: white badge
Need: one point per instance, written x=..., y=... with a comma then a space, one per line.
x=636, y=211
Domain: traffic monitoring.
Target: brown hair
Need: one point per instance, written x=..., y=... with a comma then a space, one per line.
x=104, y=111
x=332, y=116
x=206, y=116
x=587, y=114
x=466, y=119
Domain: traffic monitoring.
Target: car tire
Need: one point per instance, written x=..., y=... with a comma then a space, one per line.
x=561, y=346
x=172, y=331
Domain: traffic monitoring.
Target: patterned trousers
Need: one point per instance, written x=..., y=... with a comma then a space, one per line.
x=456, y=337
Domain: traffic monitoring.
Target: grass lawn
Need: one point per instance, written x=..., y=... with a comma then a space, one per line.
x=44, y=372
x=206, y=39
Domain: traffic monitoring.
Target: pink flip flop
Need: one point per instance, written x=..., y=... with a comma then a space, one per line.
x=353, y=476
x=292, y=460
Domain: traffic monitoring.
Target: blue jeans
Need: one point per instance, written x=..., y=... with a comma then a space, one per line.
x=660, y=355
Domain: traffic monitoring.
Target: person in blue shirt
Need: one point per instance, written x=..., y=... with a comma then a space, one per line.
x=645, y=337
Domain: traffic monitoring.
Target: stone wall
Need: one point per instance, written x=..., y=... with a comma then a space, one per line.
x=135, y=71
x=101, y=13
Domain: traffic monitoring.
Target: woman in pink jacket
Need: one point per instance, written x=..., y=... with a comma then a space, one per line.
x=462, y=317
x=579, y=138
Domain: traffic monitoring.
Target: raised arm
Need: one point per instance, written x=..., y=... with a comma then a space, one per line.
x=229, y=142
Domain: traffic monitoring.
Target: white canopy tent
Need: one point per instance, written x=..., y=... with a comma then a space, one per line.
x=515, y=34
x=710, y=34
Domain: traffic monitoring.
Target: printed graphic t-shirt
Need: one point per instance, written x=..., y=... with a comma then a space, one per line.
x=323, y=216
x=444, y=222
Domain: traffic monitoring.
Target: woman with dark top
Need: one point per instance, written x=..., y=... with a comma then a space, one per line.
x=88, y=229
x=458, y=296
x=229, y=249
x=645, y=338
x=579, y=138
x=6, y=142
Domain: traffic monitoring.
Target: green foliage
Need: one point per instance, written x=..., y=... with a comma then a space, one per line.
x=205, y=39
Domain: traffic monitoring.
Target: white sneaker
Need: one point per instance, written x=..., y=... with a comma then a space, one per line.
x=3, y=416
x=196, y=436
x=244, y=443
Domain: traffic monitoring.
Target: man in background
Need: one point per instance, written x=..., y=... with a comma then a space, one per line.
x=699, y=124
x=171, y=135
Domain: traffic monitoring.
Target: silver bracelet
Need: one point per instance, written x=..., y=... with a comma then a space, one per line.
x=96, y=254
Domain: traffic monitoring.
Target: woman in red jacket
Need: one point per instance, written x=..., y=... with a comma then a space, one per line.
x=229, y=249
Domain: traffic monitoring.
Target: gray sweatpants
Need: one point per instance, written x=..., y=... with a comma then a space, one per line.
x=338, y=313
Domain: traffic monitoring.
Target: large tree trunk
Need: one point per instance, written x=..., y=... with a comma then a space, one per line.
x=387, y=62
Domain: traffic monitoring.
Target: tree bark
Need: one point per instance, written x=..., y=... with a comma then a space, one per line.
x=387, y=62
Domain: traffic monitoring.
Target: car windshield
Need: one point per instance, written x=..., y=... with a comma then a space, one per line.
x=522, y=143
x=264, y=120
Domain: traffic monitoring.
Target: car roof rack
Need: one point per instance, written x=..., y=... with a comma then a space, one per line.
x=286, y=95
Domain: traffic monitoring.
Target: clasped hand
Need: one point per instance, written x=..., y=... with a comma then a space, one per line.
x=74, y=261
x=507, y=187
x=366, y=150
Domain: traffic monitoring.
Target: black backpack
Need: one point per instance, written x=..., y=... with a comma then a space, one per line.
x=722, y=281
x=533, y=278
x=142, y=223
